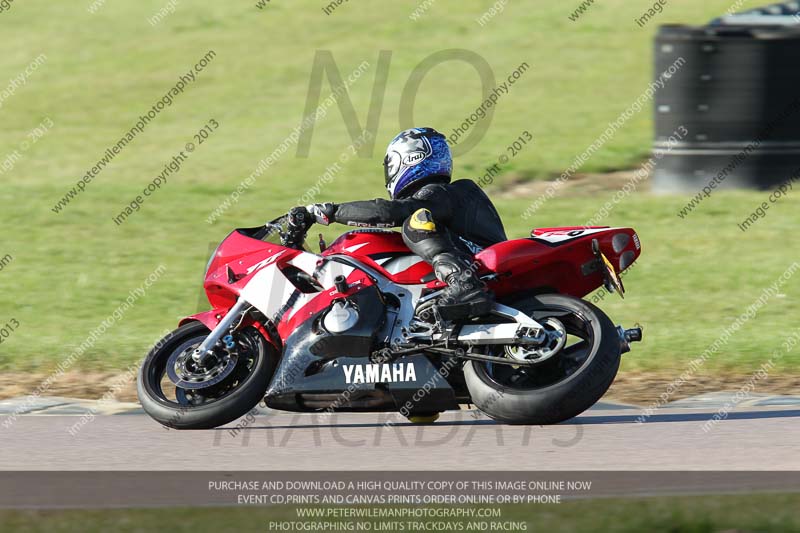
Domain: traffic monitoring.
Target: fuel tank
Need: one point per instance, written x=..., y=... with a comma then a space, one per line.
x=385, y=251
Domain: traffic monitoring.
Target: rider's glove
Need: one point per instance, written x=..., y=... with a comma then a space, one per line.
x=323, y=213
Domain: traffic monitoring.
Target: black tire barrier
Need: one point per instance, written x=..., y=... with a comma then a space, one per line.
x=738, y=95
x=785, y=13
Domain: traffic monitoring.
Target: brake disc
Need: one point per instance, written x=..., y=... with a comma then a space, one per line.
x=185, y=374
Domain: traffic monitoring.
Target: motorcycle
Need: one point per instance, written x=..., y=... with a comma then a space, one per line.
x=356, y=327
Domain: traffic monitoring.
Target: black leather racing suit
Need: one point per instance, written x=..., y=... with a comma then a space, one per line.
x=463, y=218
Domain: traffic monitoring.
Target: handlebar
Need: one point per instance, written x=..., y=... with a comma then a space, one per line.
x=298, y=222
x=298, y=217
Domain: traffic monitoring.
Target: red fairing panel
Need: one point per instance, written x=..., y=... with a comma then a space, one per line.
x=245, y=256
x=559, y=259
x=311, y=304
x=384, y=251
x=207, y=318
x=368, y=242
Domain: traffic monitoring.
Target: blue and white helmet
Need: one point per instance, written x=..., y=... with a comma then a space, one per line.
x=415, y=155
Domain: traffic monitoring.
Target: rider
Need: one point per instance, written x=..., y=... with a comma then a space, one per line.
x=444, y=223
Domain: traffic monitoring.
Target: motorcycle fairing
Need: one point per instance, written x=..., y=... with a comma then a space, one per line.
x=377, y=263
x=384, y=251
x=320, y=370
x=558, y=260
x=557, y=236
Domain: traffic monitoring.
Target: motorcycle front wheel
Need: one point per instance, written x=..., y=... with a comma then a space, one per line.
x=566, y=382
x=220, y=394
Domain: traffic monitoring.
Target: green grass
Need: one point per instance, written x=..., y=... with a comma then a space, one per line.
x=71, y=270
x=765, y=513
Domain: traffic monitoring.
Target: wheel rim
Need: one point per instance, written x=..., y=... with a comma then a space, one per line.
x=220, y=385
x=575, y=351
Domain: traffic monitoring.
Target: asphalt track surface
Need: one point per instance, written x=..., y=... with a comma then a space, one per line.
x=750, y=439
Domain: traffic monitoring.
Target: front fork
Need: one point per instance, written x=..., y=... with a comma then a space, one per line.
x=205, y=349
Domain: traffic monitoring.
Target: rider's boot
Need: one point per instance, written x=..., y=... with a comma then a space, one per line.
x=465, y=296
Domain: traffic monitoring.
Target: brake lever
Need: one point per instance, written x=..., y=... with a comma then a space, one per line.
x=293, y=239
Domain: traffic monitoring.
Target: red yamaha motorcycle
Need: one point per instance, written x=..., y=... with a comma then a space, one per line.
x=356, y=328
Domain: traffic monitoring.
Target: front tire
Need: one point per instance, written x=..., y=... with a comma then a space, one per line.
x=561, y=387
x=170, y=406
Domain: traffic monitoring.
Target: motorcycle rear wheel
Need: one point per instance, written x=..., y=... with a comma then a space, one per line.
x=208, y=408
x=561, y=387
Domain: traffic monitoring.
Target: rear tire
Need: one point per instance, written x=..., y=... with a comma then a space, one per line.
x=215, y=412
x=564, y=399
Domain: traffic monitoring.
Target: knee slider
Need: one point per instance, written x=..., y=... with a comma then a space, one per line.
x=422, y=220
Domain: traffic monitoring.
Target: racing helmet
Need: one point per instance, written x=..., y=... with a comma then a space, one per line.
x=414, y=157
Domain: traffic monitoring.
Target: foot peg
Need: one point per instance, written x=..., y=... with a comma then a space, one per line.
x=627, y=336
